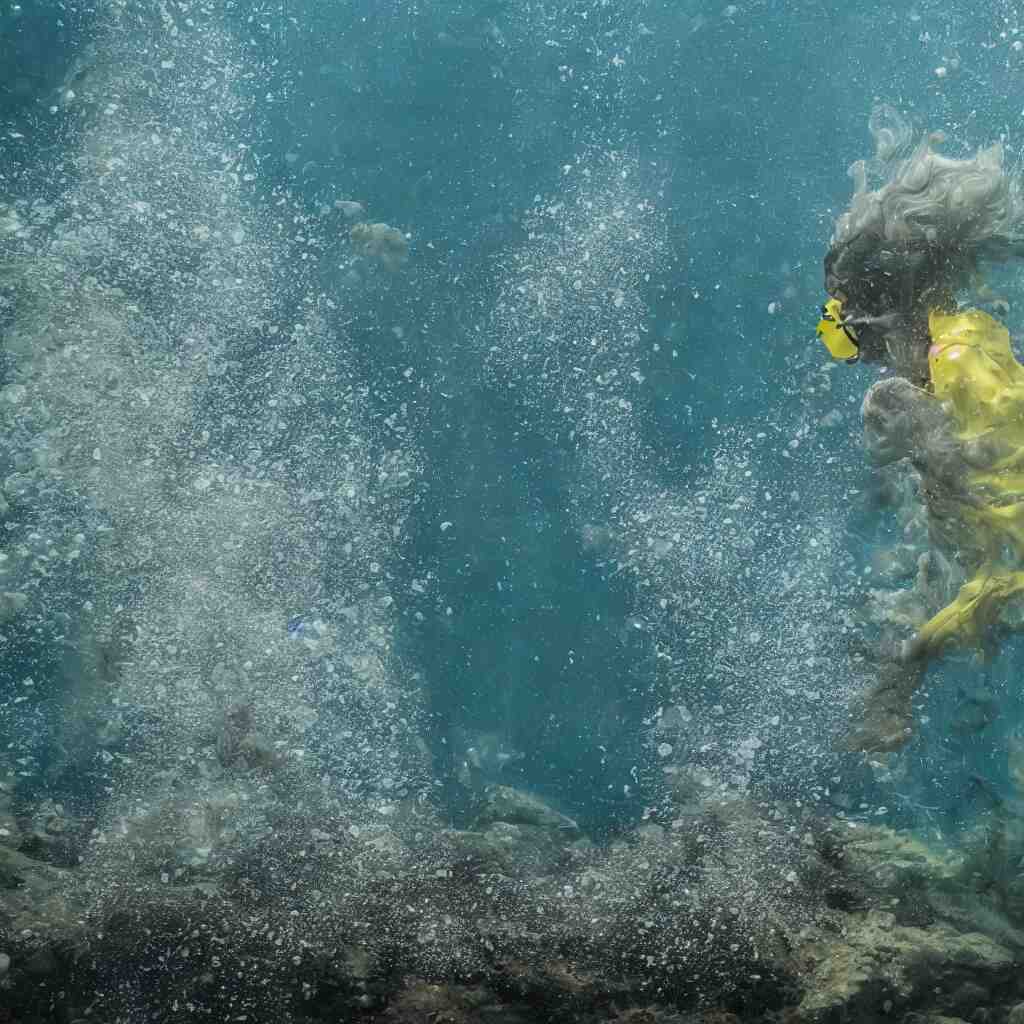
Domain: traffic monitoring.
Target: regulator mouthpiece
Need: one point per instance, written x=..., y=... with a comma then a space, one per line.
x=836, y=335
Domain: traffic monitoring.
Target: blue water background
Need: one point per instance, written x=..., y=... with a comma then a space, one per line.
x=449, y=120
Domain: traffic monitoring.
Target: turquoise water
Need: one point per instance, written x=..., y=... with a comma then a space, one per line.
x=550, y=486
x=599, y=346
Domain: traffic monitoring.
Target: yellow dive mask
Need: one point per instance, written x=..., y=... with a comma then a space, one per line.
x=839, y=338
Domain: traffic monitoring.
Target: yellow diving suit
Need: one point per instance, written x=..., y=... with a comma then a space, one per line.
x=974, y=374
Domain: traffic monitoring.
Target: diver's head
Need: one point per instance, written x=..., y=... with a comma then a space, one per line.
x=907, y=246
x=880, y=296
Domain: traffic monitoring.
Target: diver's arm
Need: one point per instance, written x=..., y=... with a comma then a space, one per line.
x=891, y=421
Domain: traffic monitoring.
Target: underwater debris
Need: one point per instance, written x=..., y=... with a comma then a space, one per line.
x=11, y=605
x=53, y=835
x=482, y=758
x=350, y=209
x=491, y=754
x=380, y=243
x=515, y=807
x=238, y=742
x=10, y=223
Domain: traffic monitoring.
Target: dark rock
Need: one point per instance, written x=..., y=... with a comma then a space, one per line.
x=514, y=807
x=876, y=966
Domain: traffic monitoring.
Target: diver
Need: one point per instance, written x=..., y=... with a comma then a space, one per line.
x=953, y=403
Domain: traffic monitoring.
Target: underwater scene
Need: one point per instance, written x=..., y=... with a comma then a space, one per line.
x=511, y=511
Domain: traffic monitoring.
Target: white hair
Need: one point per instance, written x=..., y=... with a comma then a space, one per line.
x=971, y=205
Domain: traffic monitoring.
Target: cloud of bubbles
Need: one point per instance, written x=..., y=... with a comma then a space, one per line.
x=202, y=536
x=741, y=574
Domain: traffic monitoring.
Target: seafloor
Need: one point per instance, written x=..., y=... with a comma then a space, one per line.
x=733, y=911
